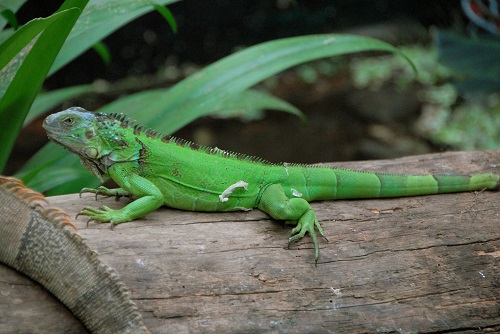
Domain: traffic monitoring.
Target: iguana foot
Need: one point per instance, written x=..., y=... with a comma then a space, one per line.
x=103, y=214
x=308, y=223
x=101, y=190
x=275, y=202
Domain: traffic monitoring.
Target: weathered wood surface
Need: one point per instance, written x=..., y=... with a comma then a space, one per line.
x=428, y=264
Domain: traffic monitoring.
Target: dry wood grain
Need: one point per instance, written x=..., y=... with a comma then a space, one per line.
x=428, y=264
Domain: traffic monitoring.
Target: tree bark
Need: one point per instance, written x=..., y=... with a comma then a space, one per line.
x=427, y=264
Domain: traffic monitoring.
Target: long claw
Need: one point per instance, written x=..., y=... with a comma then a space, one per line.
x=307, y=224
x=88, y=190
x=295, y=233
x=101, y=190
x=103, y=214
x=314, y=239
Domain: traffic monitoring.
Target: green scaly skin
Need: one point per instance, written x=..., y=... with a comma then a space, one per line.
x=162, y=170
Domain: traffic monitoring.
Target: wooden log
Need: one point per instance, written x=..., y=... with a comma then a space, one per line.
x=406, y=265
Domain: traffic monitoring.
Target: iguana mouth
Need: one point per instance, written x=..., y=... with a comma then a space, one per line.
x=47, y=124
x=52, y=132
x=52, y=137
x=58, y=142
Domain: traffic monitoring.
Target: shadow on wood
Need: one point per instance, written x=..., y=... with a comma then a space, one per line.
x=419, y=264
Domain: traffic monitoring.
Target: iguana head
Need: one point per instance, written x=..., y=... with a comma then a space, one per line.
x=96, y=138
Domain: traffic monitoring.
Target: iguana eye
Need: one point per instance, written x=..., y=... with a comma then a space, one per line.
x=69, y=121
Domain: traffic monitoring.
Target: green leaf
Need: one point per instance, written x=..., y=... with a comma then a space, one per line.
x=203, y=92
x=143, y=105
x=10, y=6
x=473, y=62
x=49, y=155
x=54, y=171
x=103, y=51
x=22, y=37
x=169, y=17
x=47, y=101
x=99, y=19
x=251, y=100
x=27, y=69
x=9, y=15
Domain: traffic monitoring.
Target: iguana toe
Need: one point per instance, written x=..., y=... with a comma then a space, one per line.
x=106, y=192
x=102, y=214
x=308, y=223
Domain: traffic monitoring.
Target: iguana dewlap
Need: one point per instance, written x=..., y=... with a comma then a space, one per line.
x=163, y=170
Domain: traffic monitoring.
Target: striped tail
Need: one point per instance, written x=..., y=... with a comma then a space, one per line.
x=356, y=184
x=347, y=184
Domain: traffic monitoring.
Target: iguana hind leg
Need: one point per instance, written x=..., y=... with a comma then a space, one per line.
x=275, y=202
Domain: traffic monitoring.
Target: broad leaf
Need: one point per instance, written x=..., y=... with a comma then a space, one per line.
x=99, y=19
x=142, y=106
x=47, y=101
x=25, y=55
x=8, y=8
x=103, y=51
x=251, y=100
x=54, y=171
x=168, y=16
x=25, y=59
x=10, y=17
x=205, y=91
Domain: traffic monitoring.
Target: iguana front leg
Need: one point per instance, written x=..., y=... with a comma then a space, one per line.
x=149, y=199
x=275, y=202
x=101, y=190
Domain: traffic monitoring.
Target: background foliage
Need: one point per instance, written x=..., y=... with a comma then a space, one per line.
x=42, y=46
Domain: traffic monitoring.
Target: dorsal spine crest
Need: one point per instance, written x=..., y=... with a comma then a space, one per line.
x=138, y=129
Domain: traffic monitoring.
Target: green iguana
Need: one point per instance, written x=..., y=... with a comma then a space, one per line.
x=34, y=241
x=163, y=170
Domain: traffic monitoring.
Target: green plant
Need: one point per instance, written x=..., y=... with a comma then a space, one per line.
x=42, y=46
x=374, y=72
x=224, y=85
x=462, y=124
x=446, y=118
